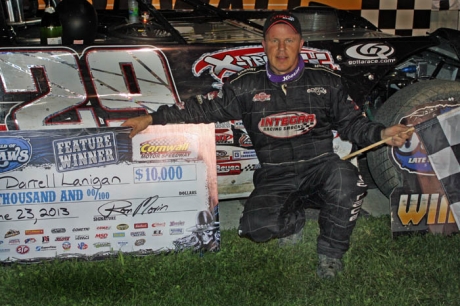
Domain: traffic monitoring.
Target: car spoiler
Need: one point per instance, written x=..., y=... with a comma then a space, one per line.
x=198, y=5
x=163, y=21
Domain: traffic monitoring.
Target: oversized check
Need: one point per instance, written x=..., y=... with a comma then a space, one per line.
x=93, y=192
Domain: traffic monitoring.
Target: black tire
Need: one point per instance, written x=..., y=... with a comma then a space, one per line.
x=382, y=165
x=365, y=173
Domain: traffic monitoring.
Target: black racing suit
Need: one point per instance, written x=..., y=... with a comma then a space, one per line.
x=290, y=125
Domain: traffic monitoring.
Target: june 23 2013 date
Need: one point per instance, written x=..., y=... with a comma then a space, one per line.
x=30, y=214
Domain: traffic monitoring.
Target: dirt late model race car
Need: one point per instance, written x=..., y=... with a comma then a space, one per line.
x=120, y=70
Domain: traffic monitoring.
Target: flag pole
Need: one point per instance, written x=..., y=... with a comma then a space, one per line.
x=378, y=143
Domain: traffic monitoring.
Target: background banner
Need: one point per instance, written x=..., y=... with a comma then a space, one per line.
x=420, y=205
x=94, y=192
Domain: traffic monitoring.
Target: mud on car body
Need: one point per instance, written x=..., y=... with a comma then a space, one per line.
x=130, y=69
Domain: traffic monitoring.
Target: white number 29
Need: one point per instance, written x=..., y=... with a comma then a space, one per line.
x=44, y=88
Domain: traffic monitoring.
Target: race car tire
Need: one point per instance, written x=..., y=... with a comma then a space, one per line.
x=365, y=173
x=386, y=174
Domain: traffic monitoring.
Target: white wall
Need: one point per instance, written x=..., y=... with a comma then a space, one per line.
x=445, y=19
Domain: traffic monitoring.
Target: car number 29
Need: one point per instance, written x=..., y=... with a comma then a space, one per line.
x=44, y=88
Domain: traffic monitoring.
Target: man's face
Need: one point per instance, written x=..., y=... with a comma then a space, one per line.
x=282, y=46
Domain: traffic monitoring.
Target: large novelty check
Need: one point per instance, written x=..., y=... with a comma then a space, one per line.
x=93, y=192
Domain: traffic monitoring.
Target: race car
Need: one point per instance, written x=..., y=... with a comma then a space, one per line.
x=118, y=70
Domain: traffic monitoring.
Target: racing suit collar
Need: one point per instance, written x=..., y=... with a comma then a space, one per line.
x=283, y=78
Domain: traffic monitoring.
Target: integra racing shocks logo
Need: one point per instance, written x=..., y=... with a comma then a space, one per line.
x=14, y=153
x=287, y=124
x=223, y=63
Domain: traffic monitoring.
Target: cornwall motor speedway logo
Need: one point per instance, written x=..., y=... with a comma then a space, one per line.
x=223, y=63
x=15, y=152
x=171, y=147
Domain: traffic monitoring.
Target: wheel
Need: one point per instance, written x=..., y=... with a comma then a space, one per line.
x=365, y=173
x=411, y=105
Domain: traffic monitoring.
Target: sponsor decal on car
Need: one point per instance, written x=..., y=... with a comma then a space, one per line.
x=245, y=141
x=222, y=155
x=223, y=63
x=244, y=154
x=370, y=53
x=225, y=137
x=228, y=168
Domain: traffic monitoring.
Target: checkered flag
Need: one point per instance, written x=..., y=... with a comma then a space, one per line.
x=306, y=126
x=441, y=140
x=250, y=167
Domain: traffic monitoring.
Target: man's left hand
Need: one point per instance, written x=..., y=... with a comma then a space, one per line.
x=399, y=134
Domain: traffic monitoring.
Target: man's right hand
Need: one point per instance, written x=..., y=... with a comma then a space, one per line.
x=137, y=124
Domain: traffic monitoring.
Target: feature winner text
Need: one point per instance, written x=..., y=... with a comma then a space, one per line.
x=84, y=152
